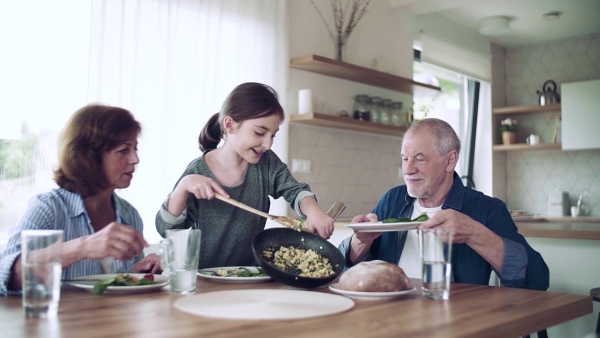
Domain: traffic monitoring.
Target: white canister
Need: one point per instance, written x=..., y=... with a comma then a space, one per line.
x=533, y=139
x=558, y=203
x=305, y=104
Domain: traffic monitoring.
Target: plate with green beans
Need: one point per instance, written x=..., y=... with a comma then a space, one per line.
x=120, y=283
x=235, y=274
x=390, y=224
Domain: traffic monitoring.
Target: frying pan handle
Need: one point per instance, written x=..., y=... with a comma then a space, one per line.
x=336, y=209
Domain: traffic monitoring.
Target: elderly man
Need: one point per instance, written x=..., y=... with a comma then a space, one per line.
x=485, y=236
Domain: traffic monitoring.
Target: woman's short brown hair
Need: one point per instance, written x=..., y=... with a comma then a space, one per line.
x=90, y=132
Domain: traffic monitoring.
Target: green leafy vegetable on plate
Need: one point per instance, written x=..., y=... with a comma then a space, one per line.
x=421, y=218
x=122, y=280
x=241, y=272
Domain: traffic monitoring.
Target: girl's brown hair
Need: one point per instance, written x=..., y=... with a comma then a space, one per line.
x=246, y=102
x=91, y=131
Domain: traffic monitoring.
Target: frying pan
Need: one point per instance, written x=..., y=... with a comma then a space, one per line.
x=278, y=237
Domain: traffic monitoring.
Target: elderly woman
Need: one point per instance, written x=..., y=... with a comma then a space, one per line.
x=102, y=232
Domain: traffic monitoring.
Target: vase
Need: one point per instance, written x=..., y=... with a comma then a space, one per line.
x=340, y=45
x=509, y=137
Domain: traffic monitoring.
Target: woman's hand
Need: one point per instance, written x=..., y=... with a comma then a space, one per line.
x=148, y=264
x=115, y=240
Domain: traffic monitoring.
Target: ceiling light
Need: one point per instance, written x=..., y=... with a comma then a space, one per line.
x=494, y=26
x=551, y=16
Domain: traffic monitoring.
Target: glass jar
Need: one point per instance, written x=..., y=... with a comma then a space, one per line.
x=362, y=109
x=384, y=115
x=398, y=119
x=375, y=108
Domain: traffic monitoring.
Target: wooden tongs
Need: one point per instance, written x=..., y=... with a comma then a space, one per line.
x=289, y=222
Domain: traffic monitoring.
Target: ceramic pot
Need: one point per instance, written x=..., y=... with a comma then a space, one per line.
x=509, y=137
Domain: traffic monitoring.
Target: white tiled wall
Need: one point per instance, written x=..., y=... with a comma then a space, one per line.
x=350, y=167
x=530, y=175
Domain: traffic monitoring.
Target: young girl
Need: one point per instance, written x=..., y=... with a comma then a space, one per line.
x=243, y=168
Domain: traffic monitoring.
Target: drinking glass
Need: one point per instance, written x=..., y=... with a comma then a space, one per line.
x=436, y=255
x=42, y=269
x=180, y=253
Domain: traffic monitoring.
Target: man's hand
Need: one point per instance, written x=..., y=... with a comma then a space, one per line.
x=468, y=231
x=361, y=241
x=463, y=226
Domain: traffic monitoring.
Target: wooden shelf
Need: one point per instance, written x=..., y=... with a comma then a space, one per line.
x=526, y=109
x=324, y=120
x=563, y=230
x=525, y=146
x=325, y=66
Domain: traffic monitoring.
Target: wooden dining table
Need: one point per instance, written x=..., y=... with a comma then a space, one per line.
x=471, y=311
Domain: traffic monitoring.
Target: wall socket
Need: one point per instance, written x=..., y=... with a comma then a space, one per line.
x=400, y=172
x=301, y=166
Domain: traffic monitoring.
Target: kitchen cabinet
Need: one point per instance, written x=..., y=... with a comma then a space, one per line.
x=581, y=115
x=342, y=70
x=505, y=112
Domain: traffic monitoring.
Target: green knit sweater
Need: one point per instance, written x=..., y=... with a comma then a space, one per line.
x=228, y=231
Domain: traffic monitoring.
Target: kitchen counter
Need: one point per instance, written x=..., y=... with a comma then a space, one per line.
x=581, y=227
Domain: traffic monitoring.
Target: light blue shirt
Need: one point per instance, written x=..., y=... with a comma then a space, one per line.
x=60, y=209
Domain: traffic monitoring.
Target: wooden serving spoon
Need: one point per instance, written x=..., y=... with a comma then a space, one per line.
x=289, y=222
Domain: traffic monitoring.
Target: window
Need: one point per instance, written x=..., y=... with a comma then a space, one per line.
x=447, y=105
x=170, y=63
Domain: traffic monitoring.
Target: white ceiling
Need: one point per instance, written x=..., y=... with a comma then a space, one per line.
x=578, y=17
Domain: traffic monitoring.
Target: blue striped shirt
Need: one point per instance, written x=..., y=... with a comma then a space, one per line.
x=63, y=210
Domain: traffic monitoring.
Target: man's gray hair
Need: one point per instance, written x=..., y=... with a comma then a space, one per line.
x=445, y=138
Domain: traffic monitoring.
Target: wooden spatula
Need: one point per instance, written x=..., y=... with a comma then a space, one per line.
x=283, y=220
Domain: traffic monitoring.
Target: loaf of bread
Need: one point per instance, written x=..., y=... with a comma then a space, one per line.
x=374, y=276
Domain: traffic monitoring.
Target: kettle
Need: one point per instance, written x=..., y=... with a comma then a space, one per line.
x=548, y=94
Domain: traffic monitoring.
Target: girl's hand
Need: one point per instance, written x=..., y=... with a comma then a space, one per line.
x=201, y=186
x=320, y=223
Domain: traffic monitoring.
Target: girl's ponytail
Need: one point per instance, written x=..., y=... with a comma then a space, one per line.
x=211, y=135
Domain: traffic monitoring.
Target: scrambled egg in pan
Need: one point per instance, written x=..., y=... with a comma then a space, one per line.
x=305, y=263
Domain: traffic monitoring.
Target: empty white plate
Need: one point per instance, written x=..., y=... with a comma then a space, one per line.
x=261, y=304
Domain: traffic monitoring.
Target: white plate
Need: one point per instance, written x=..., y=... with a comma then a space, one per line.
x=233, y=279
x=88, y=282
x=383, y=227
x=335, y=287
x=262, y=304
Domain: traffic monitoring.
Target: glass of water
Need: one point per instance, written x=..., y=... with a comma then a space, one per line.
x=180, y=253
x=436, y=257
x=42, y=269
